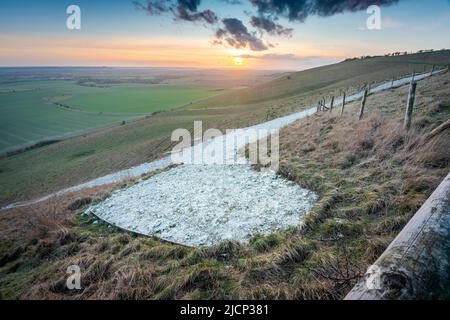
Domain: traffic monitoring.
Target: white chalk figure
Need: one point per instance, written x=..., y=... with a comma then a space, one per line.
x=374, y=20
x=73, y=22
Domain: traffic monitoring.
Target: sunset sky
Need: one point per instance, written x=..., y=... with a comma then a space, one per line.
x=122, y=33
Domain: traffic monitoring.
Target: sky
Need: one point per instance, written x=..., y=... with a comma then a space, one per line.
x=123, y=33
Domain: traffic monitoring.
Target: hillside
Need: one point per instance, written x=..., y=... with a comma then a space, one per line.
x=371, y=176
x=79, y=159
x=324, y=80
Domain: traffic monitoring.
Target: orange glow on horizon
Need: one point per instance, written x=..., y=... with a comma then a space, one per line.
x=137, y=52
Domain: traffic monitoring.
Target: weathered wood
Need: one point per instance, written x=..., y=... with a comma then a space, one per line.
x=363, y=104
x=324, y=105
x=343, y=104
x=416, y=265
x=332, y=104
x=410, y=106
x=443, y=127
x=393, y=80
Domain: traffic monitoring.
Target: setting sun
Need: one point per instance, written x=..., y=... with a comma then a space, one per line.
x=238, y=61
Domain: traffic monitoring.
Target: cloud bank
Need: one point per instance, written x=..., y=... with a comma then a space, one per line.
x=232, y=32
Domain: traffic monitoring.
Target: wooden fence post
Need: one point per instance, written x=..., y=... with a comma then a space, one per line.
x=343, y=104
x=393, y=80
x=410, y=105
x=324, y=105
x=332, y=104
x=363, y=104
x=413, y=76
x=432, y=70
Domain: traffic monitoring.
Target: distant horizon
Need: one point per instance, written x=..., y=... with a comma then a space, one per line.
x=228, y=68
x=162, y=67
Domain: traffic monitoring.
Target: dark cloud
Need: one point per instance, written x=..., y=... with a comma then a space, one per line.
x=268, y=25
x=207, y=16
x=154, y=7
x=235, y=34
x=186, y=10
x=232, y=1
x=300, y=9
x=190, y=5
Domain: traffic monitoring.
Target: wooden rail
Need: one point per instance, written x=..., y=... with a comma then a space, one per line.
x=417, y=263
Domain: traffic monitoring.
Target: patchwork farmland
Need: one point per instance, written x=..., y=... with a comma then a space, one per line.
x=34, y=111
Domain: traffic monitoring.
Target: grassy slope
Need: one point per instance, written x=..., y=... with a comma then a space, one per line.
x=79, y=159
x=371, y=177
x=328, y=79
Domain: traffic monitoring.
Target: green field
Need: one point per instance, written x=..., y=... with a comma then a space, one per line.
x=42, y=110
x=135, y=98
x=79, y=159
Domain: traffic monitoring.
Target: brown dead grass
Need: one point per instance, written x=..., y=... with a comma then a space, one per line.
x=54, y=214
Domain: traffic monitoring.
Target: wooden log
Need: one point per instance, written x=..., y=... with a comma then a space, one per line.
x=332, y=104
x=416, y=264
x=410, y=106
x=439, y=130
x=363, y=104
x=343, y=104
